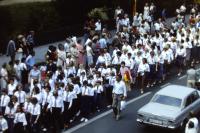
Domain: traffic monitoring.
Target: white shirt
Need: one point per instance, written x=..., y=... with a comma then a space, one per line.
x=10, y=112
x=181, y=52
x=35, y=109
x=98, y=26
x=89, y=51
x=152, y=60
x=56, y=103
x=142, y=68
x=5, y=99
x=3, y=124
x=101, y=59
x=130, y=63
x=116, y=60
x=38, y=97
x=98, y=89
x=11, y=88
x=119, y=88
x=112, y=80
x=87, y=91
x=21, y=96
x=69, y=96
x=27, y=107
x=46, y=97
x=20, y=117
x=80, y=71
x=77, y=89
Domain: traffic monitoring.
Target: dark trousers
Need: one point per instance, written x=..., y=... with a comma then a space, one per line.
x=10, y=124
x=85, y=106
x=19, y=128
x=66, y=113
x=3, y=110
x=57, y=120
x=34, y=126
x=45, y=117
x=98, y=101
x=108, y=91
x=141, y=81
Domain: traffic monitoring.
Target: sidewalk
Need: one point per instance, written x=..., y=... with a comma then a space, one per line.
x=40, y=51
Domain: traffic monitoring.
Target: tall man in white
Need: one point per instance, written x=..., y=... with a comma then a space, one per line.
x=119, y=94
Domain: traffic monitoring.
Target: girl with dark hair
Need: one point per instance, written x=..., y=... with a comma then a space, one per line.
x=20, y=121
x=46, y=114
x=56, y=106
x=69, y=97
x=143, y=69
x=20, y=94
x=35, y=115
x=10, y=114
x=77, y=91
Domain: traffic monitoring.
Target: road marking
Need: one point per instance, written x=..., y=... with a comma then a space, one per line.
x=71, y=130
x=165, y=85
x=182, y=77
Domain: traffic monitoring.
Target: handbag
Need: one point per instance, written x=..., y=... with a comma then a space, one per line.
x=123, y=105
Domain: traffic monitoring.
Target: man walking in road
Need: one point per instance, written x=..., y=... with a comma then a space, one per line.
x=191, y=76
x=119, y=94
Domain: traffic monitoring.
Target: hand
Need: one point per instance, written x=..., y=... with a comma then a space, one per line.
x=124, y=98
x=35, y=122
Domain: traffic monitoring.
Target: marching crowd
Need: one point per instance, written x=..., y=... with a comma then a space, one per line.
x=81, y=77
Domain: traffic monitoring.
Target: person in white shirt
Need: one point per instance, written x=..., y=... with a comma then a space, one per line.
x=20, y=121
x=119, y=94
x=101, y=59
x=107, y=57
x=35, y=111
x=98, y=89
x=3, y=124
x=80, y=70
x=192, y=125
x=11, y=87
x=98, y=27
x=27, y=111
x=4, y=76
x=10, y=114
x=180, y=56
x=56, y=106
x=153, y=65
x=89, y=53
x=5, y=99
x=143, y=70
x=69, y=106
x=46, y=114
x=77, y=91
x=85, y=102
x=20, y=94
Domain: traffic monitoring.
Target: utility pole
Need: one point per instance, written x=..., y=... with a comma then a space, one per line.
x=134, y=7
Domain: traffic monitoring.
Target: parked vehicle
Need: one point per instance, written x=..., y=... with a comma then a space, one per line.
x=170, y=107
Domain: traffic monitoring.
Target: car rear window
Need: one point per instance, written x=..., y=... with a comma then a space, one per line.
x=167, y=100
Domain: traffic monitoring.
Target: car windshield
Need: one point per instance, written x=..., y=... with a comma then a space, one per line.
x=167, y=100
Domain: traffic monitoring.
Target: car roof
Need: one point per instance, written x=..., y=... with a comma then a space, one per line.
x=176, y=91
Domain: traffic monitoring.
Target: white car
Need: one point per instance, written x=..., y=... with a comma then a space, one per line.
x=170, y=107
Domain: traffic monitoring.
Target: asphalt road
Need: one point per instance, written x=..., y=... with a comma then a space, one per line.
x=105, y=123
